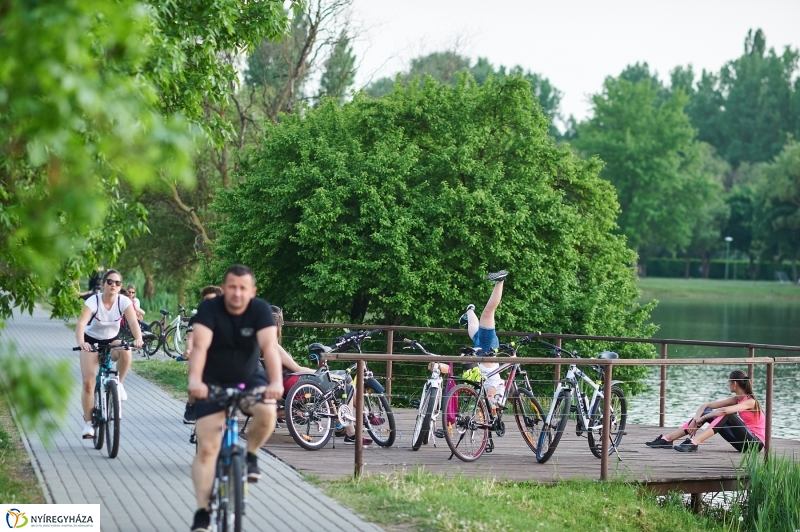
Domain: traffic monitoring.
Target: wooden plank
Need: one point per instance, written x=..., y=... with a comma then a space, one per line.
x=716, y=464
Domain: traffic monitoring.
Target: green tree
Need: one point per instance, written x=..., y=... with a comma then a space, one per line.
x=445, y=67
x=744, y=224
x=340, y=69
x=391, y=210
x=646, y=141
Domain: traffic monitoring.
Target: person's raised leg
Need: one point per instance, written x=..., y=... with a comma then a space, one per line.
x=487, y=316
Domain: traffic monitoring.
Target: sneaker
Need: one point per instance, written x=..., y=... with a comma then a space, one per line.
x=464, y=319
x=123, y=395
x=253, y=472
x=202, y=521
x=439, y=433
x=181, y=359
x=659, y=443
x=687, y=446
x=189, y=415
x=88, y=431
x=351, y=440
x=497, y=276
x=375, y=419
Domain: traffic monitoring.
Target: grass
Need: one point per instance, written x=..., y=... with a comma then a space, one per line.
x=18, y=483
x=428, y=502
x=663, y=287
x=170, y=376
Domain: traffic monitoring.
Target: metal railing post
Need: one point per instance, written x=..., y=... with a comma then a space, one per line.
x=389, y=346
x=768, y=424
x=607, y=395
x=558, y=366
x=359, y=459
x=751, y=352
x=662, y=401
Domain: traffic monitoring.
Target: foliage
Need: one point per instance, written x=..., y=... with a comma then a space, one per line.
x=37, y=391
x=747, y=110
x=646, y=141
x=425, y=501
x=73, y=123
x=392, y=210
x=340, y=72
x=446, y=66
x=17, y=480
x=772, y=500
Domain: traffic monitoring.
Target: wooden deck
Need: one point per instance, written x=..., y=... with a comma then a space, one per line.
x=713, y=468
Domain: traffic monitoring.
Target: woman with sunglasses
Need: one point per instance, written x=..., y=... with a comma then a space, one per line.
x=99, y=323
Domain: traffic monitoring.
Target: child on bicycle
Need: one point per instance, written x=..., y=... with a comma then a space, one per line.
x=484, y=336
x=738, y=419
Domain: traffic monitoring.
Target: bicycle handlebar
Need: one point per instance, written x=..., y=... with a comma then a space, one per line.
x=96, y=348
x=558, y=350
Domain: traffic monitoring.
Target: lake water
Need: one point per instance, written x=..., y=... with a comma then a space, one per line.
x=767, y=322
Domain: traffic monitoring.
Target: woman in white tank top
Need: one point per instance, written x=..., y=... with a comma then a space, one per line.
x=99, y=323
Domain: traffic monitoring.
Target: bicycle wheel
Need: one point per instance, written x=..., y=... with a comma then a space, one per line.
x=112, y=419
x=179, y=339
x=231, y=513
x=151, y=346
x=169, y=343
x=551, y=434
x=619, y=416
x=308, y=415
x=530, y=420
x=466, y=423
x=379, y=418
x=422, y=426
x=98, y=420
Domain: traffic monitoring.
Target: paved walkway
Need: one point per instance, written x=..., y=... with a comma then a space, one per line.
x=148, y=486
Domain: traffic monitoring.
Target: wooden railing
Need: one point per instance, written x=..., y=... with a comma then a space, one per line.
x=663, y=362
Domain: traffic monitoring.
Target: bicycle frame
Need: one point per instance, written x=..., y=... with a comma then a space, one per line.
x=570, y=382
x=105, y=374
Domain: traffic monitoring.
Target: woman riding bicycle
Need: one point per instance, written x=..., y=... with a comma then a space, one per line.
x=99, y=323
x=738, y=419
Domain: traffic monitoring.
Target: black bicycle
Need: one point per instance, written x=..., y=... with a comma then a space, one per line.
x=316, y=402
x=107, y=410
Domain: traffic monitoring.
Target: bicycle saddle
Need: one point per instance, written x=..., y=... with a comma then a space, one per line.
x=317, y=348
x=470, y=351
x=609, y=355
x=164, y=312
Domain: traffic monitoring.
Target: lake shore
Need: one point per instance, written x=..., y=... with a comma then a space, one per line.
x=663, y=288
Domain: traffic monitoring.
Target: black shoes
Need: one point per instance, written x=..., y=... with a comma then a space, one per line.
x=189, y=415
x=687, y=446
x=659, y=443
x=202, y=521
x=253, y=472
x=497, y=276
x=351, y=440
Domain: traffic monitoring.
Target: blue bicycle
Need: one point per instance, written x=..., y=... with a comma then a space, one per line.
x=229, y=491
x=107, y=410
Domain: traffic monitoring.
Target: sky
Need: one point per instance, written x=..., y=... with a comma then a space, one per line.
x=574, y=43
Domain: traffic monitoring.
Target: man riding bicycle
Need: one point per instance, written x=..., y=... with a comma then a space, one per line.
x=229, y=334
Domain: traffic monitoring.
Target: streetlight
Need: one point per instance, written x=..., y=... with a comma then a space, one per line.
x=728, y=241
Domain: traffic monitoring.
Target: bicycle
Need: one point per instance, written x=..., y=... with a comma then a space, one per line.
x=470, y=418
x=317, y=401
x=589, y=414
x=171, y=337
x=107, y=410
x=229, y=491
x=430, y=402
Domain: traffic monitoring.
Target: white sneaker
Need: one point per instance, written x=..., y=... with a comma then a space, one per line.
x=88, y=431
x=123, y=395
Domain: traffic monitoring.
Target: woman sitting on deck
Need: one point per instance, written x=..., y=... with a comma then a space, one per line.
x=738, y=419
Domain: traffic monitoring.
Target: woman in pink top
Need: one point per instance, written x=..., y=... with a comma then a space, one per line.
x=738, y=419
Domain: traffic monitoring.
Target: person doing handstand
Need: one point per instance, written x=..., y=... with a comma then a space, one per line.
x=738, y=419
x=484, y=335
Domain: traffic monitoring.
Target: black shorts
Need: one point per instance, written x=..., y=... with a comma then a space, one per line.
x=90, y=340
x=204, y=408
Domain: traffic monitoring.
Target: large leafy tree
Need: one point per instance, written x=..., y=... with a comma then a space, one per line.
x=640, y=131
x=446, y=66
x=391, y=210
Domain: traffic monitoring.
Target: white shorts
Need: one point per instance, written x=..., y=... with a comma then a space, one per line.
x=494, y=381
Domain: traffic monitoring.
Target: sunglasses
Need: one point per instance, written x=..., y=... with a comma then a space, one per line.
x=112, y=281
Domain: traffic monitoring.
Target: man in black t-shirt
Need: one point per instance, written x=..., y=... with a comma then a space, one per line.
x=229, y=333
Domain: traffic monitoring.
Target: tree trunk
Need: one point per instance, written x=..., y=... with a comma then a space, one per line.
x=706, y=267
x=688, y=267
x=752, y=269
x=359, y=308
x=149, y=281
x=794, y=270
